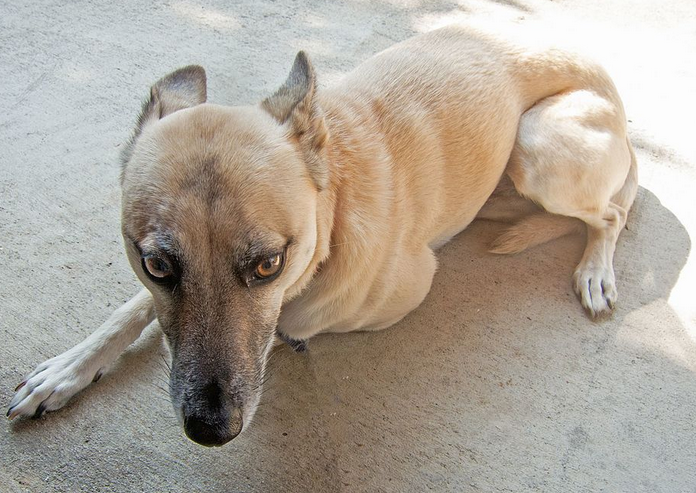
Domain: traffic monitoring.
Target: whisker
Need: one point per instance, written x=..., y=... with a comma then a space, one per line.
x=161, y=388
x=163, y=382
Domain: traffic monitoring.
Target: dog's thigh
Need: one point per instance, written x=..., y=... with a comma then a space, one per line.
x=409, y=288
x=572, y=157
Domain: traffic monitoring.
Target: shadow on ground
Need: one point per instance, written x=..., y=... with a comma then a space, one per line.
x=514, y=373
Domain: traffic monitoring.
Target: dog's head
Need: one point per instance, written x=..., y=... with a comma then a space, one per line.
x=220, y=224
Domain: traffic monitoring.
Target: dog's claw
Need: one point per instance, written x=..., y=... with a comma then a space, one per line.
x=97, y=376
x=39, y=411
x=297, y=345
x=52, y=384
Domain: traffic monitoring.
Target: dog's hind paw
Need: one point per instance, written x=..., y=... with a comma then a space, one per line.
x=52, y=384
x=596, y=289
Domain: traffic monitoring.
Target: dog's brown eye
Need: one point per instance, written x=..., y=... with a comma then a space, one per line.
x=269, y=267
x=157, y=267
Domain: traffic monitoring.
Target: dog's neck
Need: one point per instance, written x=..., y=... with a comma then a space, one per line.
x=356, y=164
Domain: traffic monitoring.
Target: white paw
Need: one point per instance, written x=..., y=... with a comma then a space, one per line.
x=596, y=287
x=53, y=383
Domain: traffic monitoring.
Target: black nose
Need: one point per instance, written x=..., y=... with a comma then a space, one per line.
x=209, y=418
x=213, y=430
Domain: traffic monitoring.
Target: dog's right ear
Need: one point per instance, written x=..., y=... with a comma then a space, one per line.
x=183, y=88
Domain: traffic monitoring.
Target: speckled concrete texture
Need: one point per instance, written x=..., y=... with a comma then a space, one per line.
x=498, y=382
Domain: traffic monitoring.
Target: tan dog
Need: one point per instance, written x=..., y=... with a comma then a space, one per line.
x=319, y=210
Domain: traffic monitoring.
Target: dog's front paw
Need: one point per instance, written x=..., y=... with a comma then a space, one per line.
x=596, y=288
x=53, y=383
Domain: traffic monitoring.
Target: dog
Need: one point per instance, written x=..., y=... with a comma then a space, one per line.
x=320, y=209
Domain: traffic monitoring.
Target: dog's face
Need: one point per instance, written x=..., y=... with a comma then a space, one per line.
x=220, y=224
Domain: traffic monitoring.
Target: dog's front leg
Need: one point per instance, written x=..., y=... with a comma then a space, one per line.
x=55, y=381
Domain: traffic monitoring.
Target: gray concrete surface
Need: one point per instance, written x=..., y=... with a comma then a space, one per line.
x=498, y=382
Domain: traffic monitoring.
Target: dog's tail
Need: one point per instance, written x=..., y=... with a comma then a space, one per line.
x=534, y=230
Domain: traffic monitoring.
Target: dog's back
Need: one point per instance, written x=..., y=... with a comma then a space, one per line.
x=446, y=106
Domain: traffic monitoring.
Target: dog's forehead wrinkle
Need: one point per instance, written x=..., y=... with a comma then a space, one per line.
x=260, y=244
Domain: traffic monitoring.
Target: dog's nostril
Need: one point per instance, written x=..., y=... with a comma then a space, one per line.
x=213, y=431
x=236, y=422
x=204, y=433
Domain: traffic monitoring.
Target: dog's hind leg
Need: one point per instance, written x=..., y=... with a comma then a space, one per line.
x=572, y=157
x=594, y=280
x=55, y=381
x=531, y=225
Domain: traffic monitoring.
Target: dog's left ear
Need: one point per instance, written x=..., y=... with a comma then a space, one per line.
x=183, y=88
x=295, y=105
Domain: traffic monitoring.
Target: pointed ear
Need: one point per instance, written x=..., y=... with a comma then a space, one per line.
x=295, y=104
x=183, y=88
x=298, y=88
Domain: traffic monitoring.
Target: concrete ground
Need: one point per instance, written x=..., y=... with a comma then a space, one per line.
x=498, y=382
